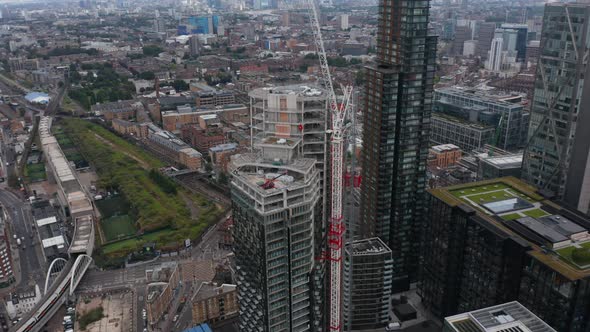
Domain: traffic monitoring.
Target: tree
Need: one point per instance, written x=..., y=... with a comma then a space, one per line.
x=152, y=50
x=147, y=75
x=337, y=62
x=180, y=85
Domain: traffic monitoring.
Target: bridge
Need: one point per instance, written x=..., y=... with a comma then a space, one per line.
x=59, y=284
x=63, y=276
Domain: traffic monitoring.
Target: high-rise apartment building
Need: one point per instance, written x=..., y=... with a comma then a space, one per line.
x=498, y=241
x=278, y=210
x=494, y=62
x=521, y=31
x=277, y=205
x=462, y=34
x=194, y=45
x=398, y=103
x=367, y=284
x=485, y=34
x=558, y=149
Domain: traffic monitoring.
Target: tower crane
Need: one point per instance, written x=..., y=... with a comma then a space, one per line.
x=336, y=224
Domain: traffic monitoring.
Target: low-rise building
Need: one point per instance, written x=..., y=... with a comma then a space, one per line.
x=444, y=155
x=466, y=135
x=203, y=139
x=214, y=98
x=123, y=127
x=22, y=302
x=169, y=146
x=511, y=316
x=162, y=281
x=174, y=120
x=214, y=304
x=474, y=112
x=53, y=243
x=497, y=166
x=18, y=64
x=220, y=155
x=122, y=110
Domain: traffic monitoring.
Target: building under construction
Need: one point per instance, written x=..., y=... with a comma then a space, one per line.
x=277, y=206
x=295, y=111
x=279, y=212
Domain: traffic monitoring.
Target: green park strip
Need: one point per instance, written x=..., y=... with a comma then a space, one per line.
x=118, y=227
x=152, y=202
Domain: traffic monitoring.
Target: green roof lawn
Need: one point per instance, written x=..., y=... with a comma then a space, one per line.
x=566, y=254
x=511, y=216
x=479, y=189
x=536, y=213
x=491, y=192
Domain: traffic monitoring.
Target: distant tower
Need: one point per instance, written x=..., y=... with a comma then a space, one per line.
x=194, y=44
x=494, y=62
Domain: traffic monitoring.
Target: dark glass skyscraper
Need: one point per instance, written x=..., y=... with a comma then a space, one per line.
x=557, y=155
x=398, y=103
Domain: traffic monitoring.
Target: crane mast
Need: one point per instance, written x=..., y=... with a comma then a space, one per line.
x=336, y=221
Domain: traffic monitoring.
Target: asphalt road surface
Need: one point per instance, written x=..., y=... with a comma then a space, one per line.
x=31, y=264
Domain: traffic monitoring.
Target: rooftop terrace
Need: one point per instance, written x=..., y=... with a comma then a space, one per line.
x=511, y=316
x=515, y=207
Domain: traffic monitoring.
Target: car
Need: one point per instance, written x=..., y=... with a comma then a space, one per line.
x=175, y=318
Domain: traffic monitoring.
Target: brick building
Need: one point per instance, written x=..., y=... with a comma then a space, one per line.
x=162, y=282
x=124, y=127
x=443, y=156
x=213, y=304
x=202, y=139
x=122, y=110
x=214, y=98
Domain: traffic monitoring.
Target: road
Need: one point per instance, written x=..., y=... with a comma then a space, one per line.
x=31, y=264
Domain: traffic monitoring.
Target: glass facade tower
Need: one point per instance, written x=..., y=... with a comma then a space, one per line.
x=556, y=156
x=398, y=104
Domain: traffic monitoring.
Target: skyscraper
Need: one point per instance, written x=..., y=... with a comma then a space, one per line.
x=557, y=153
x=276, y=203
x=521, y=38
x=494, y=62
x=367, y=290
x=277, y=200
x=194, y=45
x=485, y=34
x=398, y=103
